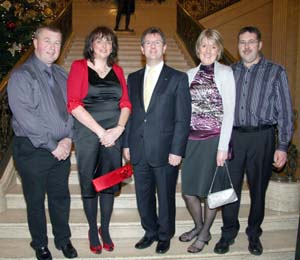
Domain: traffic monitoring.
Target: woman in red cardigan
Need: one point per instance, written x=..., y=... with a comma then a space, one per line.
x=98, y=100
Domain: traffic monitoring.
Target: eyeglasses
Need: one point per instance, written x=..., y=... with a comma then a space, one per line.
x=156, y=43
x=250, y=43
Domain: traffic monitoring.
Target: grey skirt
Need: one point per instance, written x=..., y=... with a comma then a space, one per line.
x=198, y=166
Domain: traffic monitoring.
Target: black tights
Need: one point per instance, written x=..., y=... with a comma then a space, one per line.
x=90, y=205
x=193, y=204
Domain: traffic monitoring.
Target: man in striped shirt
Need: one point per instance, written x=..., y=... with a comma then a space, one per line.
x=263, y=103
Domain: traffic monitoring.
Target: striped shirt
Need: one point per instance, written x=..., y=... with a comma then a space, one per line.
x=35, y=112
x=263, y=98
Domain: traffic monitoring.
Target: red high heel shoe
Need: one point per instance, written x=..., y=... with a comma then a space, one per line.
x=95, y=249
x=107, y=247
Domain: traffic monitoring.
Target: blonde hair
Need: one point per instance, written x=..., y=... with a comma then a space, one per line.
x=210, y=34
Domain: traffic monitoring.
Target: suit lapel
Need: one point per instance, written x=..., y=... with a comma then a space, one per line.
x=140, y=83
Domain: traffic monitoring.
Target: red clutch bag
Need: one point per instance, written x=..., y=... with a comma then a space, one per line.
x=112, y=178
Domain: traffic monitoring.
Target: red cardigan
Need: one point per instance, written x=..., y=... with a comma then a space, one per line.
x=77, y=85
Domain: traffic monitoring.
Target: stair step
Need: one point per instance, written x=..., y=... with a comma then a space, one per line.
x=136, y=65
x=126, y=47
x=125, y=39
x=125, y=223
x=134, y=57
x=126, y=199
x=128, y=71
x=277, y=246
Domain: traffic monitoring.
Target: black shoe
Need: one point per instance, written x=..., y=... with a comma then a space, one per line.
x=144, y=242
x=255, y=247
x=189, y=235
x=162, y=246
x=222, y=247
x=199, y=244
x=69, y=251
x=43, y=253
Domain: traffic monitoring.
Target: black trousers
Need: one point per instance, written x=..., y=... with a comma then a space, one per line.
x=253, y=154
x=124, y=7
x=42, y=174
x=149, y=181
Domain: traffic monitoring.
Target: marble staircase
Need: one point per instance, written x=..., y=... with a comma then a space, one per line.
x=278, y=239
x=280, y=228
x=129, y=55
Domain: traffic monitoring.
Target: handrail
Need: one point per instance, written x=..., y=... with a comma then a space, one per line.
x=64, y=22
x=188, y=30
x=203, y=8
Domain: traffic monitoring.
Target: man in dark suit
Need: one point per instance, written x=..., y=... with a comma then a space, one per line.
x=155, y=138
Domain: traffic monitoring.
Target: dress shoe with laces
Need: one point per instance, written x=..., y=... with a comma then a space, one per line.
x=162, y=246
x=255, y=247
x=222, y=247
x=69, y=251
x=43, y=253
x=144, y=242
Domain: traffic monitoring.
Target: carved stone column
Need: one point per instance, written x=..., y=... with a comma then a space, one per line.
x=296, y=97
x=279, y=32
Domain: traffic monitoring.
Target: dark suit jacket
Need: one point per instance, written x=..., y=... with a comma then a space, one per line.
x=164, y=128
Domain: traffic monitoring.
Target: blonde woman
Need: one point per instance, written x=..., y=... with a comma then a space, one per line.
x=212, y=89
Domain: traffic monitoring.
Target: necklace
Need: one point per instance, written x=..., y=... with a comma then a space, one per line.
x=102, y=72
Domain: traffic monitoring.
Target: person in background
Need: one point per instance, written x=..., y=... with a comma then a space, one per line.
x=42, y=142
x=263, y=102
x=156, y=137
x=212, y=90
x=98, y=100
x=126, y=7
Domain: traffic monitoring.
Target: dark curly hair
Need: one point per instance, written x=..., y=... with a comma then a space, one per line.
x=101, y=32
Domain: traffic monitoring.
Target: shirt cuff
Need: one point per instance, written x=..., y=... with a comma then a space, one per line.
x=283, y=147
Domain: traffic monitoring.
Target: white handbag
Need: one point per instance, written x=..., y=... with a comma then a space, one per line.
x=223, y=197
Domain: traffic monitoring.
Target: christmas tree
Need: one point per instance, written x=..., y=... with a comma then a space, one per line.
x=19, y=19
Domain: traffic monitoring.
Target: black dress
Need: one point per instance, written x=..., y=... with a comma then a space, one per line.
x=102, y=102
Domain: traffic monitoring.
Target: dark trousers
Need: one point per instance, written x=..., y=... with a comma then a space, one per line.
x=42, y=174
x=253, y=154
x=124, y=7
x=148, y=181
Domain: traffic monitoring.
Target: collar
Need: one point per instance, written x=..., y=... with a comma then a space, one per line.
x=157, y=67
x=262, y=62
x=40, y=65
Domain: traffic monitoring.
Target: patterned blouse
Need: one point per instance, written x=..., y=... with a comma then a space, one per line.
x=207, y=107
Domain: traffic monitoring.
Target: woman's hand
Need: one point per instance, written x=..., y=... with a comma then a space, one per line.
x=111, y=135
x=221, y=157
